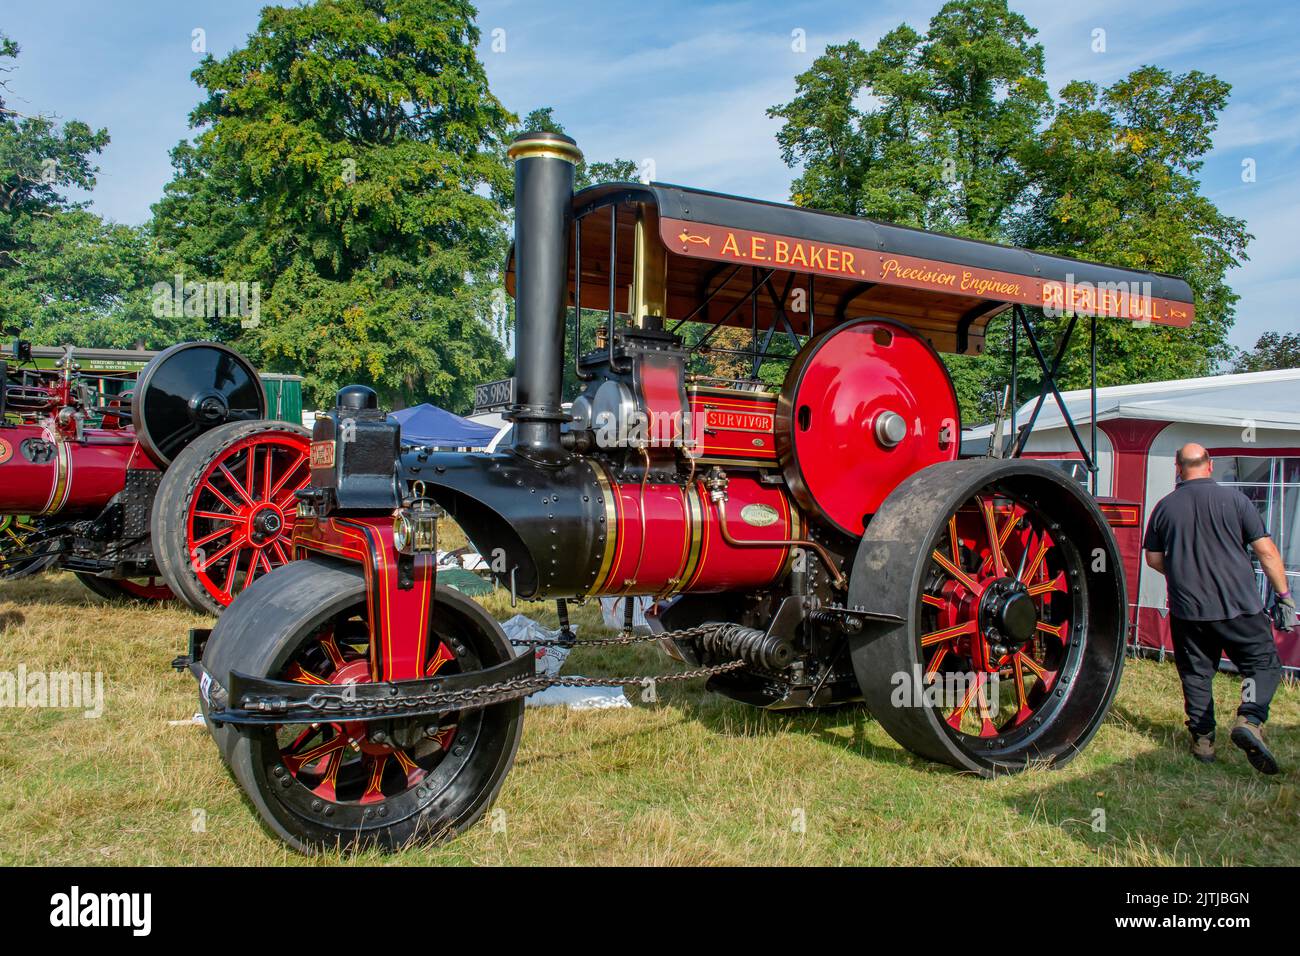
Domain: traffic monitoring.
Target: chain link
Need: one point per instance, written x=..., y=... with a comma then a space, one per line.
x=322, y=703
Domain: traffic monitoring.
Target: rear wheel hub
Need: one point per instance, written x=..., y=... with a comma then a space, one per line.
x=1007, y=612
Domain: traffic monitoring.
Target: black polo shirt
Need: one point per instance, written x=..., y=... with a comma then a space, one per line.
x=1202, y=529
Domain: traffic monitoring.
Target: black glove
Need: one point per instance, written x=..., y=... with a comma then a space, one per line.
x=1282, y=611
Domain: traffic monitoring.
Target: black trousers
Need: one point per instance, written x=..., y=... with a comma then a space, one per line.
x=1248, y=642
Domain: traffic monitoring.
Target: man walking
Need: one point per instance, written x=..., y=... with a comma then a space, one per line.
x=1197, y=538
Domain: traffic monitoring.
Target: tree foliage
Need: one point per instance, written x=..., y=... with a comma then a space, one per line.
x=66, y=275
x=347, y=160
x=1272, y=351
x=955, y=130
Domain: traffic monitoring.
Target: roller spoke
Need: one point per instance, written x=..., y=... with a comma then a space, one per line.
x=991, y=532
x=949, y=633
x=295, y=762
x=954, y=570
x=440, y=657
x=300, y=675
x=374, y=791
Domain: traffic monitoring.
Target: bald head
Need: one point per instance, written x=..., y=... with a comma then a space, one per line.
x=1193, y=462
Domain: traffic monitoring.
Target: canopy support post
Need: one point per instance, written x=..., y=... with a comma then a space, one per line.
x=1048, y=382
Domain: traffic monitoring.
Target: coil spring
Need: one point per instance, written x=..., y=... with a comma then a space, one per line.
x=751, y=645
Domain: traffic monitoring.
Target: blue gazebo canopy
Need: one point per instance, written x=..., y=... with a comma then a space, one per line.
x=436, y=427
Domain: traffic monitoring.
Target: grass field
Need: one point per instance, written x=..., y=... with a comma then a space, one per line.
x=693, y=779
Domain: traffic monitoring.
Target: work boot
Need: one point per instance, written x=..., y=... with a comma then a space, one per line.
x=1203, y=748
x=1250, y=738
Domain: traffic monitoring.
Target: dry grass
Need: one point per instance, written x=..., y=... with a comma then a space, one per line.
x=693, y=779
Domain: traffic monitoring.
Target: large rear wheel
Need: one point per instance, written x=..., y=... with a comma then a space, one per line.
x=224, y=512
x=351, y=785
x=1010, y=591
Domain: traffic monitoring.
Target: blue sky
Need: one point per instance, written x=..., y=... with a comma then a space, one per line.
x=685, y=85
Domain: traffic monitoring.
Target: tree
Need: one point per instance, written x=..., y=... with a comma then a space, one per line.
x=347, y=160
x=955, y=131
x=66, y=275
x=1272, y=351
x=921, y=130
x=1116, y=183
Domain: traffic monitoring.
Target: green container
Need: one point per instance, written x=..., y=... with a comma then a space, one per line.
x=283, y=397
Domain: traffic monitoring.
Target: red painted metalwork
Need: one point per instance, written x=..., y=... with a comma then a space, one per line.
x=667, y=537
x=835, y=461
x=399, y=617
x=732, y=427
x=242, y=511
x=66, y=476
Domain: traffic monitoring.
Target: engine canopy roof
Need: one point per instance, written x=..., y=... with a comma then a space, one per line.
x=945, y=286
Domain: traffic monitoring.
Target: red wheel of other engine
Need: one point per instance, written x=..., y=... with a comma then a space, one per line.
x=146, y=589
x=239, y=523
x=996, y=616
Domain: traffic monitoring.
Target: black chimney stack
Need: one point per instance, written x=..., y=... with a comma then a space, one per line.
x=544, y=165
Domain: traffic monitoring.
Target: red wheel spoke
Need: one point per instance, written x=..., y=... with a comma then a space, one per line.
x=948, y=633
x=375, y=785
x=225, y=550
x=413, y=772
x=1013, y=518
x=991, y=531
x=212, y=537
x=239, y=489
x=326, y=788
x=296, y=762
x=933, y=667
x=1043, y=587
x=943, y=562
x=288, y=473
x=1018, y=667
x=300, y=675
x=440, y=657
x=287, y=499
x=953, y=541
x=933, y=600
x=228, y=587
x=280, y=552
x=331, y=649
x=987, y=727
x=1056, y=630
x=266, y=473
x=955, y=716
x=217, y=516
x=216, y=493
x=1031, y=570
x=250, y=470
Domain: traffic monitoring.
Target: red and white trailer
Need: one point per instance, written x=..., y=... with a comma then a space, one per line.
x=1249, y=422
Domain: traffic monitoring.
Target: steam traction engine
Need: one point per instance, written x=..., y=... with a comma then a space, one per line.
x=179, y=487
x=823, y=544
